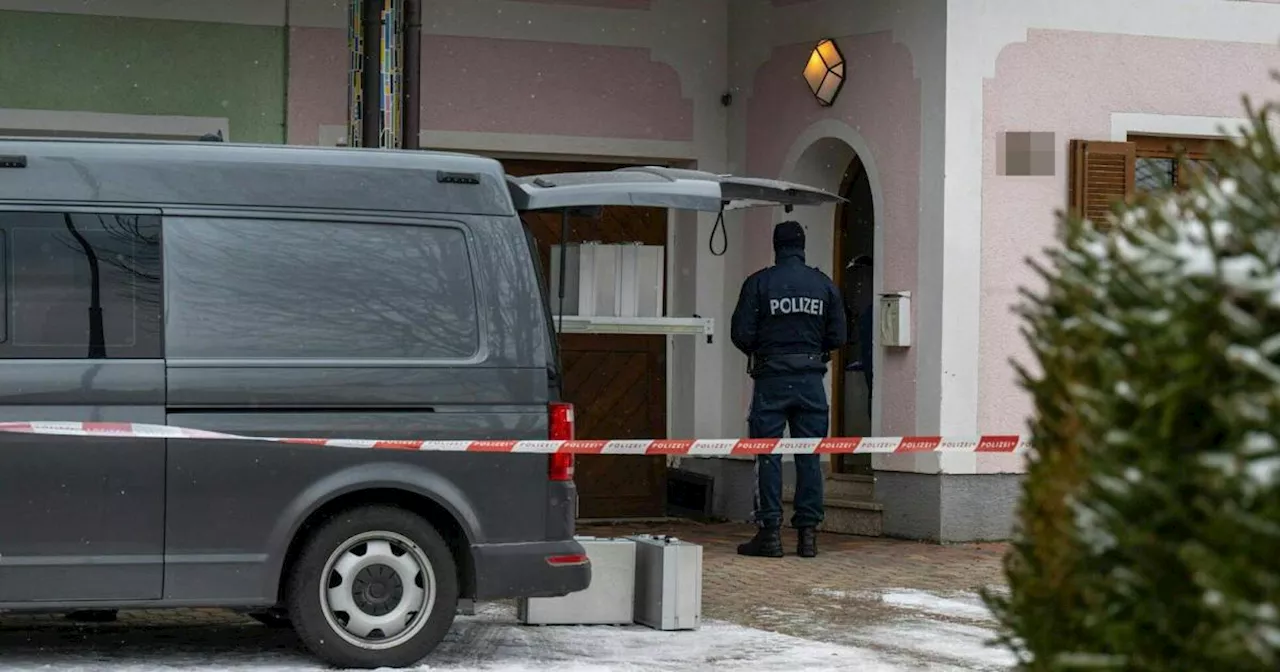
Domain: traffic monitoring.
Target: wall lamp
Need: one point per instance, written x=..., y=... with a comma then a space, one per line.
x=825, y=72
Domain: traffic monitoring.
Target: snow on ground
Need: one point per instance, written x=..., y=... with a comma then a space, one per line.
x=925, y=632
x=965, y=606
x=955, y=627
x=915, y=630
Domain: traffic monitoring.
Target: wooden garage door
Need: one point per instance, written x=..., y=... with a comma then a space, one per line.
x=617, y=383
x=618, y=387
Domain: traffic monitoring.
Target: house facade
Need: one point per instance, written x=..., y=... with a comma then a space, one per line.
x=959, y=129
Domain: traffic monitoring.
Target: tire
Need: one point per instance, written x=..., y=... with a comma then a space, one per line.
x=349, y=594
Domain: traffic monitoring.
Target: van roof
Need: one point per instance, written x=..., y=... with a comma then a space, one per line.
x=159, y=173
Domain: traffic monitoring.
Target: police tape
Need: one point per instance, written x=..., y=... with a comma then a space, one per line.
x=695, y=447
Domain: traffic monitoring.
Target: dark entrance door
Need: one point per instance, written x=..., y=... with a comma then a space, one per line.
x=854, y=274
x=617, y=383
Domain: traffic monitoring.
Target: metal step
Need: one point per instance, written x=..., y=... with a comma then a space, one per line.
x=847, y=516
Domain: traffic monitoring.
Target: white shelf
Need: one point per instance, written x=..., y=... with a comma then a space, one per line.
x=676, y=326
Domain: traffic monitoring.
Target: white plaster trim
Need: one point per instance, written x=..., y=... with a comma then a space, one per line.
x=957, y=242
x=833, y=128
x=931, y=63
x=560, y=146
x=1124, y=123
x=948, y=366
x=135, y=125
x=245, y=12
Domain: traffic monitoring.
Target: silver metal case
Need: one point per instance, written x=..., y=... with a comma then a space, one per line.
x=668, y=587
x=610, y=598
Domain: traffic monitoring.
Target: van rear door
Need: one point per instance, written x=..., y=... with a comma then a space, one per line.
x=661, y=188
x=650, y=186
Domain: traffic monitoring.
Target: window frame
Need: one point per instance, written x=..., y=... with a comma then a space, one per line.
x=1187, y=148
x=365, y=218
x=1087, y=191
x=6, y=302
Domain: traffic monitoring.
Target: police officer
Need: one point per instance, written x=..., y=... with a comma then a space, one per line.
x=788, y=319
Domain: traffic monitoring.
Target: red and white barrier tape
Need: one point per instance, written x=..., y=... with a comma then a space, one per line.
x=830, y=446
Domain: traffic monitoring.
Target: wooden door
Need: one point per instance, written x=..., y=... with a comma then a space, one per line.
x=854, y=237
x=618, y=386
x=617, y=383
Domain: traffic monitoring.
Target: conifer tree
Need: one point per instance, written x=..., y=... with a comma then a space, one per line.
x=1148, y=535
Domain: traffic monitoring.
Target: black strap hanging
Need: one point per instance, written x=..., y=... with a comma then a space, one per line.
x=724, y=235
x=564, y=246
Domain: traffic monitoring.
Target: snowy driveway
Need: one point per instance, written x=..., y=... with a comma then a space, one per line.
x=926, y=637
x=864, y=604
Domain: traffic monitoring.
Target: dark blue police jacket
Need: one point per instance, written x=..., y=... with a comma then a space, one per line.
x=788, y=318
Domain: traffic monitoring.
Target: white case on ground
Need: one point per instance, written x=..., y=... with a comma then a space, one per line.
x=609, y=600
x=668, y=593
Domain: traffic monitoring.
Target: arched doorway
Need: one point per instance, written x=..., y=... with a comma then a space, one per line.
x=854, y=273
x=832, y=155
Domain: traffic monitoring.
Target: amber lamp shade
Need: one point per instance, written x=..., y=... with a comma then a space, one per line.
x=825, y=72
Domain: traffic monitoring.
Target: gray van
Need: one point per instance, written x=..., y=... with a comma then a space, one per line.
x=300, y=292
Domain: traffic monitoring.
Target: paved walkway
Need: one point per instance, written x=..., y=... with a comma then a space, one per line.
x=910, y=604
x=860, y=591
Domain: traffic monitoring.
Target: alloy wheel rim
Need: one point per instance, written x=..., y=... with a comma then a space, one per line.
x=377, y=590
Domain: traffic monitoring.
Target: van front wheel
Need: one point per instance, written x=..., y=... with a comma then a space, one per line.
x=373, y=587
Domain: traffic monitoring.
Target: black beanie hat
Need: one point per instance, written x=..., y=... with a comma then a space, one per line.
x=788, y=235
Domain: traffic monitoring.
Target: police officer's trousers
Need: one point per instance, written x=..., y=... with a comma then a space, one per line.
x=799, y=402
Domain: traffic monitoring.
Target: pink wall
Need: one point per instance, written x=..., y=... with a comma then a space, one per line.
x=1070, y=83
x=318, y=67
x=517, y=86
x=881, y=101
x=504, y=86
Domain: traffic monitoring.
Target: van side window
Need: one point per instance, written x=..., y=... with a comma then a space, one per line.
x=81, y=286
x=287, y=289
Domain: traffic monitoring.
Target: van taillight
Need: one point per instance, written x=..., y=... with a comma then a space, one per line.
x=560, y=465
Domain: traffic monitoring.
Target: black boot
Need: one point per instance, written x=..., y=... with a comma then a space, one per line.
x=807, y=542
x=766, y=544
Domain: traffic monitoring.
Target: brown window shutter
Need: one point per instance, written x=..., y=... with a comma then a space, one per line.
x=1101, y=173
